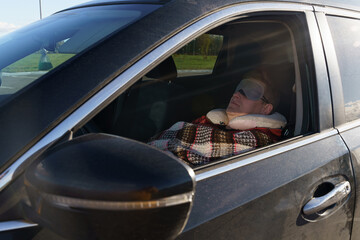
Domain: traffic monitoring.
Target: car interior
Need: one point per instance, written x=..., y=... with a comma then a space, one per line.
x=166, y=95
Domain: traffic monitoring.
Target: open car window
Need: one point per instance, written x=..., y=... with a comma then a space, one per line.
x=190, y=83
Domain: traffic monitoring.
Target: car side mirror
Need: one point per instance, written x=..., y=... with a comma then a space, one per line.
x=100, y=186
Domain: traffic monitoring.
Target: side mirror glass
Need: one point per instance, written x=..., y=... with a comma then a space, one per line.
x=100, y=186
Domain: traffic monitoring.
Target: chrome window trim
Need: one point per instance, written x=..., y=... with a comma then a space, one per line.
x=348, y=126
x=129, y=76
x=15, y=224
x=338, y=12
x=246, y=160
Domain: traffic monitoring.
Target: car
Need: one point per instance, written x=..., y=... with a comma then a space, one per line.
x=82, y=92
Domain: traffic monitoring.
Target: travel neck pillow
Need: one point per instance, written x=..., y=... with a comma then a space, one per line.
x=249, y=121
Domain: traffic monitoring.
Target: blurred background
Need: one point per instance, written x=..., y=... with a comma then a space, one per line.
x=15, y=14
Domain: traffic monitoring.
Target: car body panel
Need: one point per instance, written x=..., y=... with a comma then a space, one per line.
x=262, y=192
x=351, y=138
x=264, y=199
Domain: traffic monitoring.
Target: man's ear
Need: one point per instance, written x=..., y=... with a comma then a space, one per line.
x=267, y=109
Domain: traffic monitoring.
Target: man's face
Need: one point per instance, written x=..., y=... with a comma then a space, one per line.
x=240, y=105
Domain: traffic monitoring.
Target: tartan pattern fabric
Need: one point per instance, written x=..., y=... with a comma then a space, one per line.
x=198, y=144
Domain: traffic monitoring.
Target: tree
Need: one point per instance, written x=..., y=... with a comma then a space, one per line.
x=204, y=42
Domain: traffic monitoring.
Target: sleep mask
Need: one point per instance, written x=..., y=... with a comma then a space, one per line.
x=253, y=89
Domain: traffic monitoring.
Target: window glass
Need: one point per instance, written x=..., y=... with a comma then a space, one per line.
x=199, y=56
x=346, y=36
x=32, y=51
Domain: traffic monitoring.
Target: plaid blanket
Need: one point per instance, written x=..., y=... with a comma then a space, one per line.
x=199, y=144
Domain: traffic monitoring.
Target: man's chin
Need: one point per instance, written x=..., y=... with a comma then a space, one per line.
x=233, y=114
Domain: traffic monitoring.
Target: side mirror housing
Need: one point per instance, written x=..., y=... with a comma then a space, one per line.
x=100, y=186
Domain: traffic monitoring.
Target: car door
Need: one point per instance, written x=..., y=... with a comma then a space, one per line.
x=263, y=195
x=342, y=56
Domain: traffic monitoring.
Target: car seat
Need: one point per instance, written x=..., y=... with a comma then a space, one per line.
x=146, y=108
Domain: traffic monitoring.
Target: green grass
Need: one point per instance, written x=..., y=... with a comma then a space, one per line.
x=182, y=62
x=194, y=62
x=31, y=62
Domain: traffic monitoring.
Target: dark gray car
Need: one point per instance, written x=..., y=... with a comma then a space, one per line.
x=83, y=90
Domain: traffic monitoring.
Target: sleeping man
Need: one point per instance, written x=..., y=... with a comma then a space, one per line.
x=247, y=123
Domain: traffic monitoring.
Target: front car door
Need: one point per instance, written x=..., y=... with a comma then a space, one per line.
x=261, y=195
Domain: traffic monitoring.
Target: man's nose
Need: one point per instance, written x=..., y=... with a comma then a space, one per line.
x=238, y=95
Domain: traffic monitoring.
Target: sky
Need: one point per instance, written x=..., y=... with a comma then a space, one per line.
x=18, y=13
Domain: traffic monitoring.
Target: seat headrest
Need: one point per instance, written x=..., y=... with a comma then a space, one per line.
x=165, y=71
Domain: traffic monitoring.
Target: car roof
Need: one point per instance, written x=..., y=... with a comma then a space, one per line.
x=111, y=2
x=349, y=4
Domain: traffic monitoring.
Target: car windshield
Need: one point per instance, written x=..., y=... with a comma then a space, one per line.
x=32, y=51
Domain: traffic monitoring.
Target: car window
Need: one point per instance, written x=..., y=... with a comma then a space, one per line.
x=199, y=56
x=346, y=36
x=173, y=103
x=31, y=52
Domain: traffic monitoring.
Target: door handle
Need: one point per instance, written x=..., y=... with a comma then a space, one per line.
x=316, y=204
